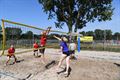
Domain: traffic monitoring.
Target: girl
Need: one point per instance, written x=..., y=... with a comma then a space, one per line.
x=43, y=41
x=10, y=54
x=65, y=53
x=36, y=46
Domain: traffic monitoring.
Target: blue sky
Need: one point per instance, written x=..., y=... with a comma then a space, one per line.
x=30, y=12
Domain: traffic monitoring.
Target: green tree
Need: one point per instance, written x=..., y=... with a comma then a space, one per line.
x=90, y=33
x=77, y=13
x=0, y=29
x=99, y=34
x=108, y=34
x=13, y=33
x=116, y=36
x=29, y=35
x=0, y=32
x=83, y=33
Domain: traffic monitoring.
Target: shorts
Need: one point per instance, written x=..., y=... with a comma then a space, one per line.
x=10, y=54
x=72, y=51
x=42, y=50
x=67, y=53
x=35, y=50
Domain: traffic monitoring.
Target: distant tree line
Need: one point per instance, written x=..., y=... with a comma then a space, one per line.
x=0, y=32
x=17, y=33
x=99, y=34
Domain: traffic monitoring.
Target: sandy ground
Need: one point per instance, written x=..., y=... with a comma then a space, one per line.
x=90, y=65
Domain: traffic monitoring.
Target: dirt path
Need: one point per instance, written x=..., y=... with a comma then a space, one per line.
x=91, y=65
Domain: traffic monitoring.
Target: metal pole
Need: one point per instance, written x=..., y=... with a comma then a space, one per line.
x=4, y=38
x=104, y=39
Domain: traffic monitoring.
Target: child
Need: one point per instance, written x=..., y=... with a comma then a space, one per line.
x=10, y=54
x=43, y=41
x=65, y=53
x=36, y=46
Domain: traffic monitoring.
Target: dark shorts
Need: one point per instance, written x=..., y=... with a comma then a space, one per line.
x=72, y=51
x=35, y=50
x=42, y=50
x=10, y=55
x=67, y=53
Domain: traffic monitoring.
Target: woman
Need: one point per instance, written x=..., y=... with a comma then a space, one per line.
x=65, y=53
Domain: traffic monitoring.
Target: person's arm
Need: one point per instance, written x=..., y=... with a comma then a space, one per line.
x=75, y=46
x=14, y=50
x=48, y=30
x=57, y=38
x=33, y=45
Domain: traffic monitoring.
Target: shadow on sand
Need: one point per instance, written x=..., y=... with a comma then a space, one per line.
x=117, y=64
x=69, y=71
x=51, y=64
x=18, y=61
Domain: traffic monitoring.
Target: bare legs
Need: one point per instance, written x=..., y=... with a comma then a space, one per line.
x=43, y=58
x=15, y=59
x=67, y=62
x=36, y=53
x=61, y=60
x=8, y=60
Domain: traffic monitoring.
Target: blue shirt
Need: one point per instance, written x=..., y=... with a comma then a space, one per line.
x=64, y=45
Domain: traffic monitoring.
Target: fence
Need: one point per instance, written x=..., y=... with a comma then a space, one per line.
x=102, y=45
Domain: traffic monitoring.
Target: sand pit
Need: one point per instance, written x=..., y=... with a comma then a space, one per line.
x=90, y=65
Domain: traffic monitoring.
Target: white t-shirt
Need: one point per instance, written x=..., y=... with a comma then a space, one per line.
x=72, y=46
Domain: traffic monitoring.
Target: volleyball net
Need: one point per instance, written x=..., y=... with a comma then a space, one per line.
x=23, y=36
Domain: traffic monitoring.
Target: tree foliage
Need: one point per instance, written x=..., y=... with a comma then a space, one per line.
x=99, y=34
x=83, y=33
x=90, y=33
x=0, y=32
x=108, y=34
x=77, y=13
x=29, y=35
x=13, y=33
x=0, y=29
x=116, y=36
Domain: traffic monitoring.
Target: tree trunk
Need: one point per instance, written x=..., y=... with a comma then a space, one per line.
x=69, y=27
x=75, y=30
x=70, y=30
